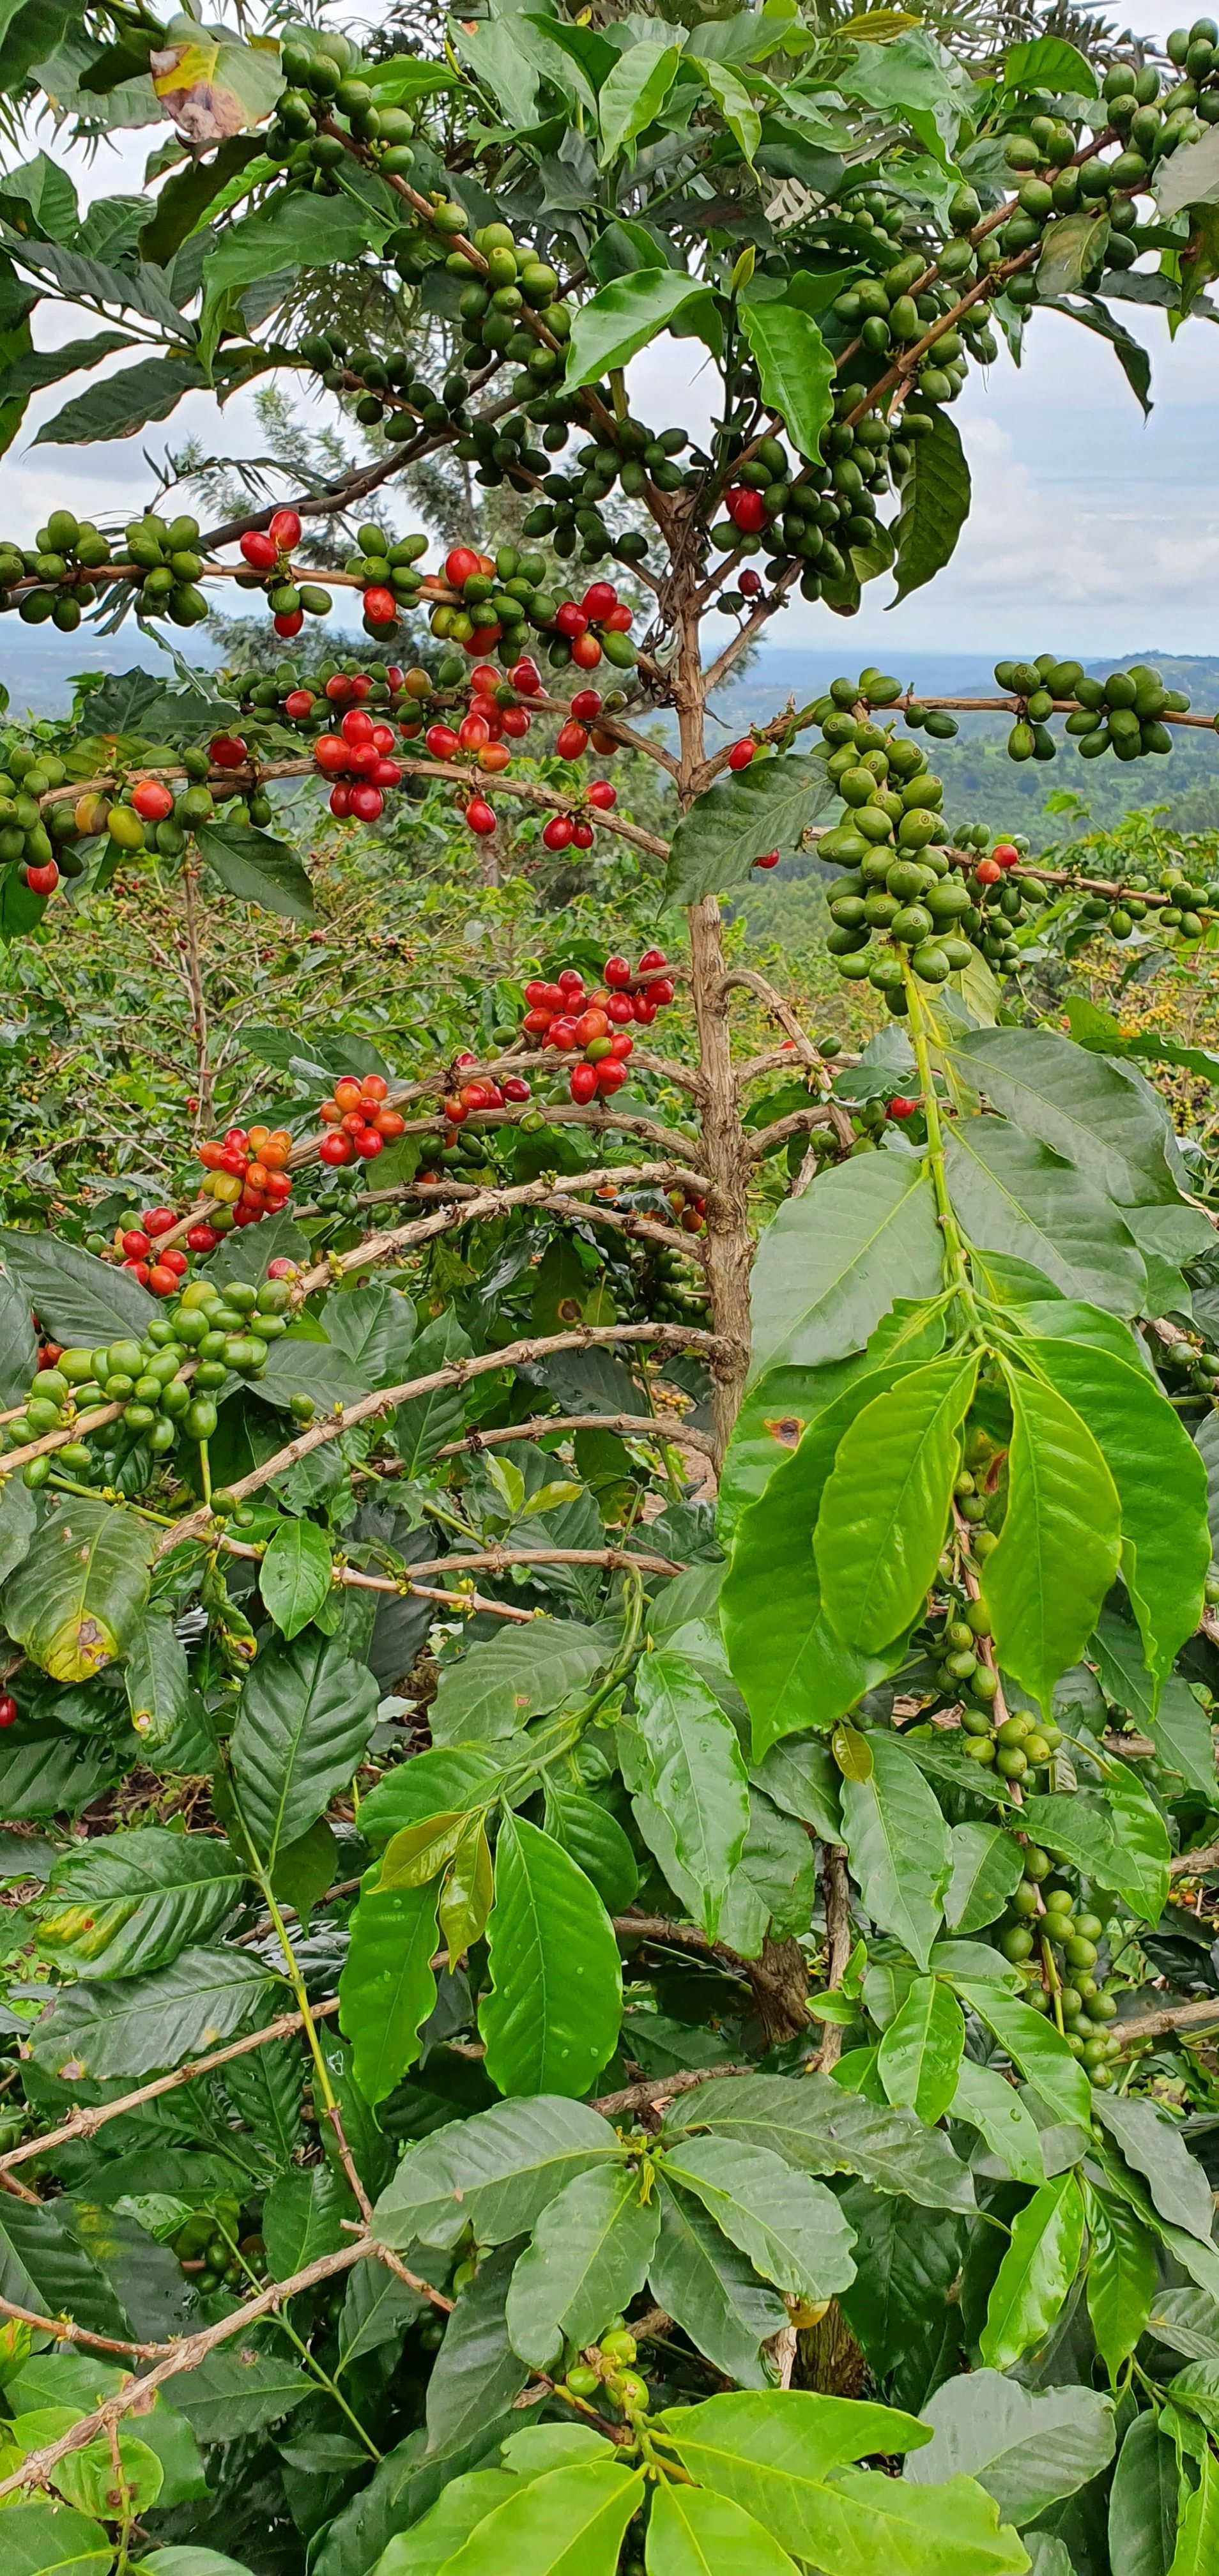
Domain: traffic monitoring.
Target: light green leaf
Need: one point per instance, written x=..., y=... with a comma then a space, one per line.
x=986, y=1865
x=622, y=317
x=885, y=1507
x=1197, y=2543
x=698, y=1777
x=1161, y=1487
x=712, y=2291
x=133, y=1900
x=290, y=232
x=831, y=1263
x=1028, y=2448
x=783, y=2458
x=1072, y=248
x=739, y=820
x=1117, y=1835
x=736, y=107
x=387, y=1987
x=1077, y=1104
x=1036, y=2273
x=1060, y=1545
x=1189, y=178
x=568, y=2523
x=694, y=2533
x=590, y=2254
x=795, y=368
x=634, y=93
x=1013, y=1195
x=818, y=2128
x=1038, y=2050
x=54, y=2540
x=993, y=2106
x=306, y=1715
x=898, y=1842
x=495, y=2172
x=77, y=1598
x=1121, y=2279
x=935, y=498
x=1050, y=63
x=551, y=2019
x=296, y=1575
x=920, y=2053
x=790, y=2227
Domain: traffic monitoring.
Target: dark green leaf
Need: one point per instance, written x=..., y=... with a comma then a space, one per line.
x=712, y=2291
x=501, y=1681
x=78, y=1299
x=377, y=2309
x=305, y=1717
x=919, y=2057
x=697, y=1773
x=1121, y=2279
x=1049, y=62
x=986, y=1864
x=1151, y=2142
x=994, y=2108
x=76, y=1600
x=239, y=2391
x=551, y=2019
x=44, y=2265
x=768, y=807
x=1075, y=1103
x=820, y=2129
x=1060, y=1545
x=936, y=494
x=795, y=369
x=18, y=1343
x=1037, y=2049
x=116, y=406
x=157, y=1681
x=790, y=2227
x=1014, y=1196
x=302, y=2219
x=1143, y=2501
x=146, y=2023
x=494, y=2173
x=250, y=864
x=898, y=2303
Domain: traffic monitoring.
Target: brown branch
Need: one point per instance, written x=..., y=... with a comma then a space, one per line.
x=493, y=1560
x=484, y=1208
x=65, y=2330
x=630, y=1426
x=797, y=1123
x=1194, y=1864
x=84, y=2123
x=367, y=1408
x=1182, y=2018
x=658, y=2090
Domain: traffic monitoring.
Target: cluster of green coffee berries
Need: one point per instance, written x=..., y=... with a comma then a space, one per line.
x=607, y=2367
x=63, y=555
x=390, y=394
x=1048, y=1932
x=211, y=2256
x=1193, y=1370
x=31, y=836
x=1121, y=713
x=496, y=302
x=626, y=456
x=165, y=564
x=325, y=94
x=672, y=1286
x=165, y=1382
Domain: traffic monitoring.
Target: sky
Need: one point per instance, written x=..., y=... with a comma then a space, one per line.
x=1092, y=532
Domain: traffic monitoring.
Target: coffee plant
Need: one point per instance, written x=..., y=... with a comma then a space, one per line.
x=607, y=1755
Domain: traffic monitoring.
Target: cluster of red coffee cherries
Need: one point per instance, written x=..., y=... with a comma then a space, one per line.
x=247, y=1176
x=357, y=1121
x=488, y=729
x=270, y=551
x=1003, y=856
x=690, y=1211
x=480, y=1091
x=357, y=758
x=162, y=1271
x=567, y=1017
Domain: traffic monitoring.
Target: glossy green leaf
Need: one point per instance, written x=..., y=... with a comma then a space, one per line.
x=1197, y=2542
x=296, y=1575
x=468, y=1893
x=568, y=2523
x=623, y=317
x=551, y=2018
x=1037, y=2049
x=712, y=2291
x=240, y=2391
x=77, y=1597
x=1161, y=1485
x=1143, y=2501
x=79, y=1299
x=993, y=2106
x=134, y=1900
x=986, y=1865
x=590, y=2254
x=520, y=1673
x=768, y=807
x=54, y=2540
x=634, y=92
x=156, y=1676
x=818, y=2128
x=306, y=1715
x=248, y=863
x=1072, y=251
x=596, y=1842
x=779, y=1407
x=694, y=2533
x=1121, y=2279
x=783, y=2458
x=1014, y=1196
x=885, y=1507
x=831, y=1263
x=494, y=2173
x=795, y=368
x=791, y=1668
x=387, y=1987
x=790, y=2227
x=116, y=406
x=936, y=495
x=698, y=1777
x=898, y=1842
x=1076, y=1103
x=1036, y=2273
x=919, y=2057
x=1060, y=1546
x=1028, y=2448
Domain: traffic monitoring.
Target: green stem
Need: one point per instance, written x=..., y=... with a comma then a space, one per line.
x=956, y=1259
x=320, y=2373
